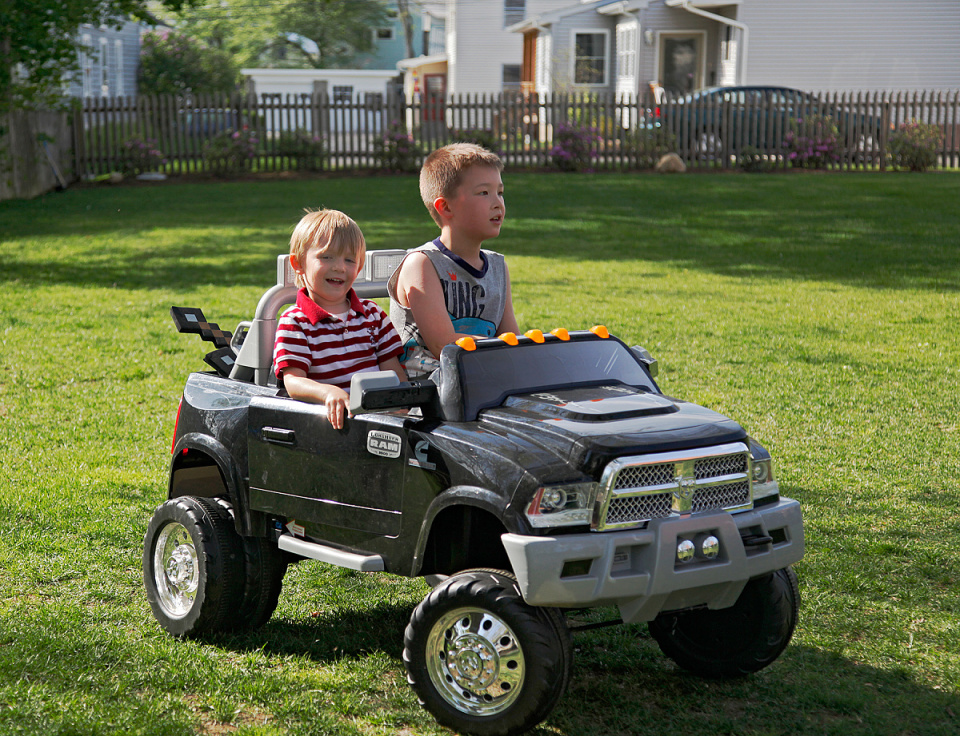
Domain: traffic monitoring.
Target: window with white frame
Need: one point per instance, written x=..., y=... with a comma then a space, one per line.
x=590, y=57
x=513, y=11
x=627, y=51
x=86, y=67
x=343, y=93
x=511, y=78
x=103, y=71
x=120, y=88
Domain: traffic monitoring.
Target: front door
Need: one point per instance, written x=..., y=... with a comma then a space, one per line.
x=681, y=62
x=434, y=91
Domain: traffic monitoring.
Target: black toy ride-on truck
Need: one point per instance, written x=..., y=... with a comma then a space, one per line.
x=529, y=475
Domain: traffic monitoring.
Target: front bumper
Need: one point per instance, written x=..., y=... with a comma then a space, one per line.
x=638, y=570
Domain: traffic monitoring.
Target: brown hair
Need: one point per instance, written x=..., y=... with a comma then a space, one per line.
x=330, y=230
x=441, y=172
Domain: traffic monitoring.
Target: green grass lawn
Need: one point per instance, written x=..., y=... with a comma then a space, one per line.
x=820, y=311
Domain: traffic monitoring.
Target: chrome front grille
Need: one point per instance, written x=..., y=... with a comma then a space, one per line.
x=636, y=489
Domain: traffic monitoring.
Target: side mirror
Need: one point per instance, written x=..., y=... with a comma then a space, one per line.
x=381, y=390
x=644, y=356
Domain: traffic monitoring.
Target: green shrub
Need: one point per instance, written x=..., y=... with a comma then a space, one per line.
x=305, y=148
x=813, y=142
x=486, y=138
x=175, y=63
x=396, y=150
x=231, y=151
x=753, y=161
x=140, y=155
x=645, y=146
x=914, y=145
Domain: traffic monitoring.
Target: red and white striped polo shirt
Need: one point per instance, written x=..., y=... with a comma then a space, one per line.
x=331, y=350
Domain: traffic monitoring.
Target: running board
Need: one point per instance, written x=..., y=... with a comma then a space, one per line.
x=338, y=557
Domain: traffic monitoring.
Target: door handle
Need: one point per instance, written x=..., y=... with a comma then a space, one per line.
x=279, y=436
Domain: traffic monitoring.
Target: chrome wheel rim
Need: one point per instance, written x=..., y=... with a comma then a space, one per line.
x=475, y=661
x=176, y=570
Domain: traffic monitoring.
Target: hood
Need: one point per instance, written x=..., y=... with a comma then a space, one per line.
x=588, y=427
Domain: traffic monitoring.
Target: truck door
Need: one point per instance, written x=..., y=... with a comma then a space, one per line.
x=302, y=468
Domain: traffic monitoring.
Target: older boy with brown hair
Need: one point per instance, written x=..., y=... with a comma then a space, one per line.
x=330, y=333
x=452, y=286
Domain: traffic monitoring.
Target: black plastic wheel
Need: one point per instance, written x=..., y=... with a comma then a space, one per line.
x=193, y=567
x=265, y=568
x=734, y=641
x=481, y=660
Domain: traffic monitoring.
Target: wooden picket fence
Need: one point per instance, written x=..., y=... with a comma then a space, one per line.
x=271, y=133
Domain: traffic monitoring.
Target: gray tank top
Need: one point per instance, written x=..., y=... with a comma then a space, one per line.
x=475, y=299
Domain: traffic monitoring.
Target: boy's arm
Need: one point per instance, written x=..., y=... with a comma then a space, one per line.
x=508, y=323
x=393, y=364
x=334, y=398
x=418, y=287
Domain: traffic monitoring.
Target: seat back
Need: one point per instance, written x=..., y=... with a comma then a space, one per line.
x=254, y=340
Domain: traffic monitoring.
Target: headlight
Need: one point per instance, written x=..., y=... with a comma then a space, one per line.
x=562, y=505
x=764, y=484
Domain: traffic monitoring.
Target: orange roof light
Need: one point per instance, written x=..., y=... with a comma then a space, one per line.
x=467, y=343
x=561, y=333
x=509, y=338
x=600, y=331
x=535, y=335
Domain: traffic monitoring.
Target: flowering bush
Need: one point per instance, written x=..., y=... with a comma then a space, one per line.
x=813, y=142
x=305, y=148
x=914, y=145
x=142, y=155
x=396, y=150
x=574, y=147
x=232, y=150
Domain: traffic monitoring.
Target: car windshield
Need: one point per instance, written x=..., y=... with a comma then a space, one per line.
x=488, y=376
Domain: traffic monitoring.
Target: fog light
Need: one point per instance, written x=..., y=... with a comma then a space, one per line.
x=710, y=547
x=685, y=551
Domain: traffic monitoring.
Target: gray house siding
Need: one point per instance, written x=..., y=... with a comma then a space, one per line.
x=854, y=45
x=110, y=67
x=825, y=45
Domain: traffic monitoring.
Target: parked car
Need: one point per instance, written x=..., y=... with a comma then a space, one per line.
x=720, y=121
x=528, y=476
x=203, y=123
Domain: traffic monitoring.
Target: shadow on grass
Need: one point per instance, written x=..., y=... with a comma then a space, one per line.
x=621, y=684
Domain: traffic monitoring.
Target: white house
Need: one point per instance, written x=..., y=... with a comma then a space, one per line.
x=623, y=46
x=477, y=54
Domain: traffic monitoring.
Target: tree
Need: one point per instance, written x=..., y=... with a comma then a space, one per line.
x=173, y=63
x=406, y=19
x=292, y=33
x=39, y=43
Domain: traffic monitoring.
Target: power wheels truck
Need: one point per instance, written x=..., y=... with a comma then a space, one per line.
x=528, y=476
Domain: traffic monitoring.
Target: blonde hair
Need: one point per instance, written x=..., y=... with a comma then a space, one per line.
x=443, y=169
x=328, y=230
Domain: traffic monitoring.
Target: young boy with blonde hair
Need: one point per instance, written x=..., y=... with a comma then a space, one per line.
x=330, y=333
x=452, y=286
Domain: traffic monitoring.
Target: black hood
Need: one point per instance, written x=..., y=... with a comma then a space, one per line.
x=588, y=427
